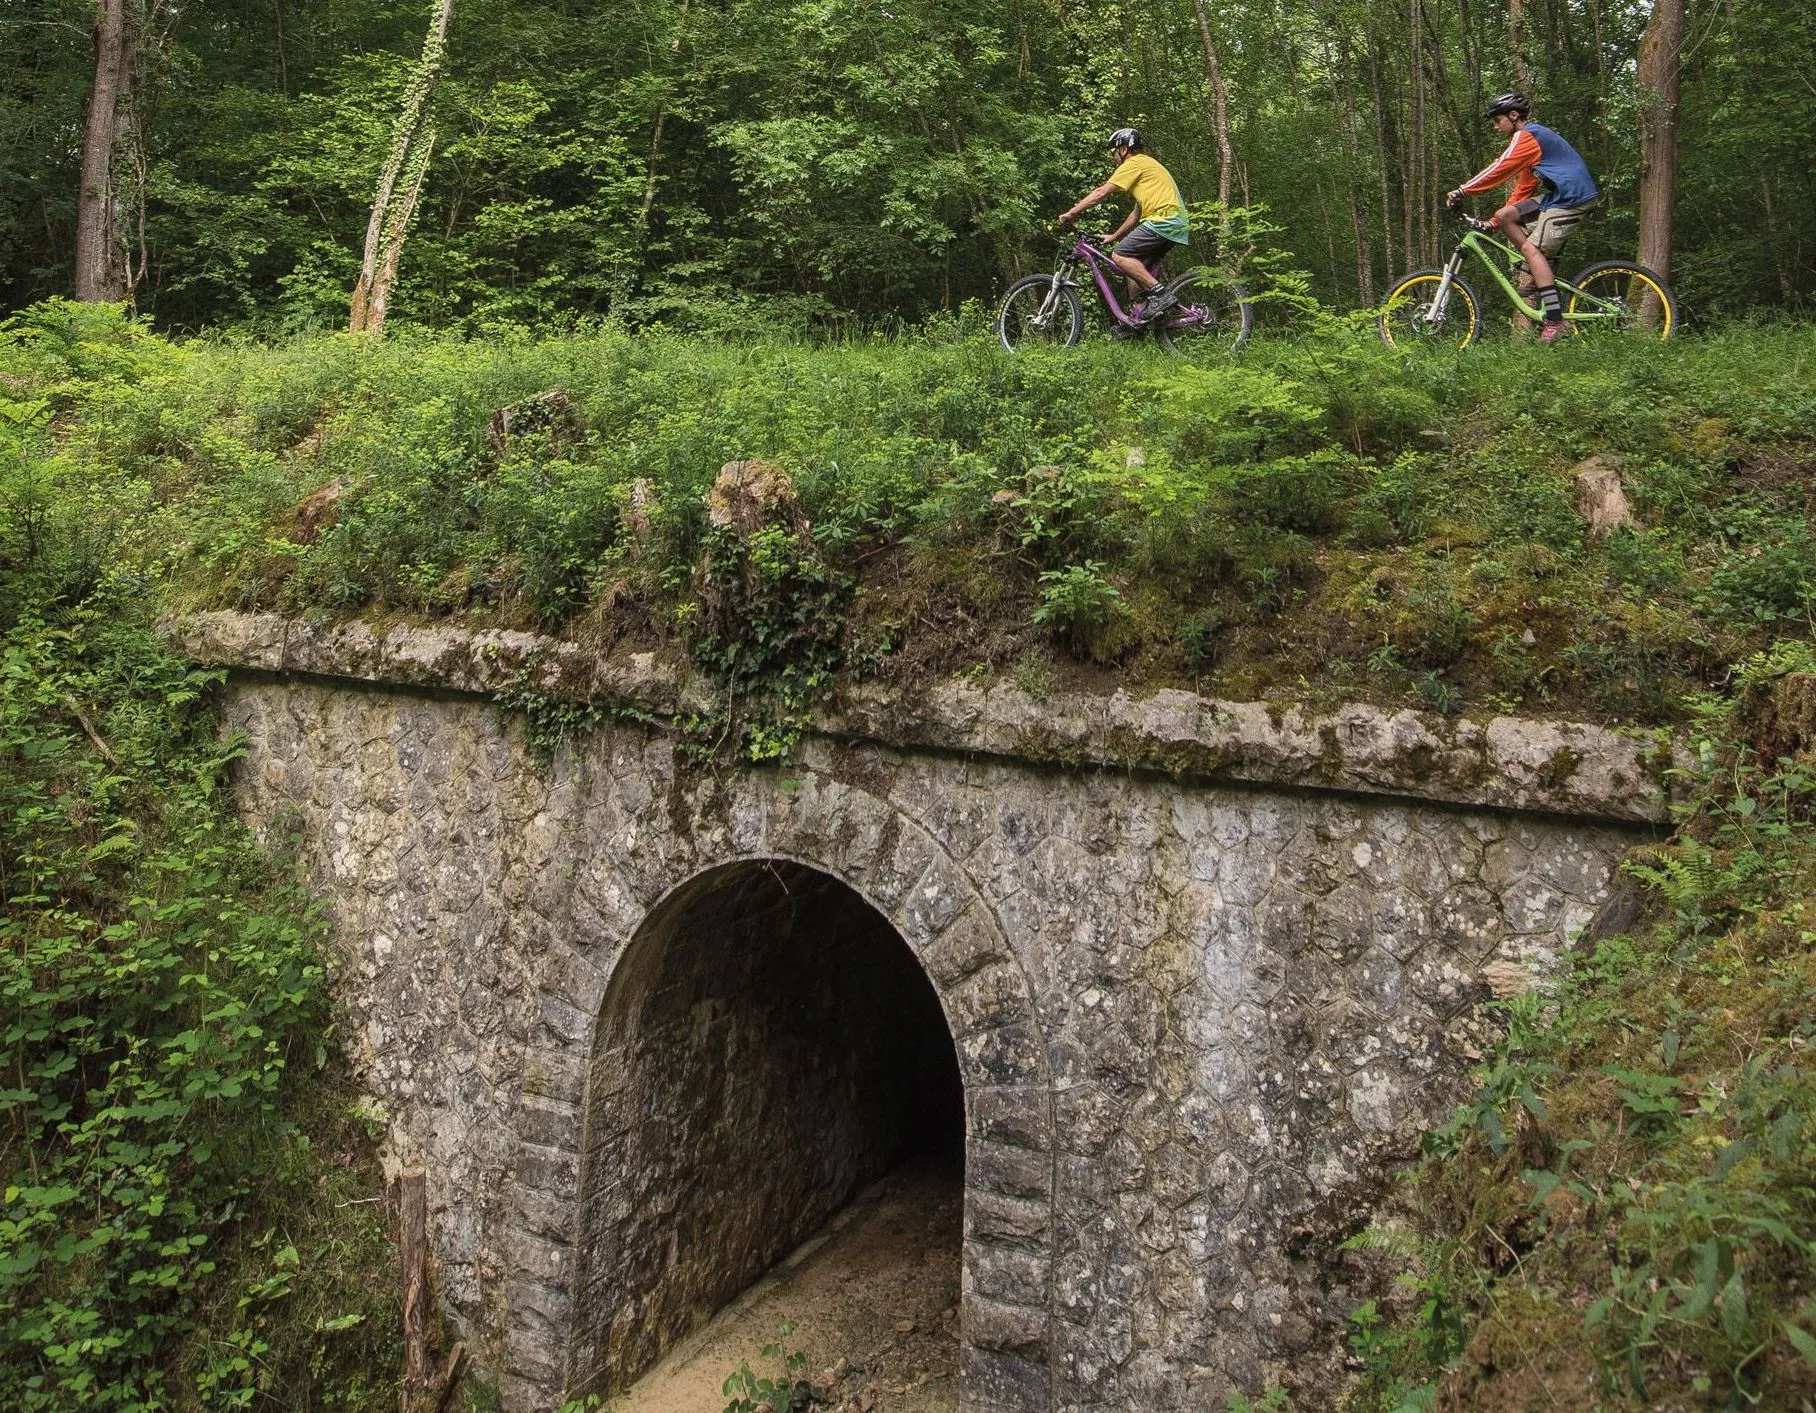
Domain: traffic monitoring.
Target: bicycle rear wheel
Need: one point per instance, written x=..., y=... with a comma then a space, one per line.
x=1619, y=297
x=1407, y=317
x=1038, y=309
x=1213, y=313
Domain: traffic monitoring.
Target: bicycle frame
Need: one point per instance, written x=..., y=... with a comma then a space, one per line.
x=1479, y=244
x=1103, y=269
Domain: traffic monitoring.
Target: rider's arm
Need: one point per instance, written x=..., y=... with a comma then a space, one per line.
x=1521, y=156
x=1128, y=224
x=1100, y=194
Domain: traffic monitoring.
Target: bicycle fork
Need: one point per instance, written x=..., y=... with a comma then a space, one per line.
x=1440, y=302
x=1050, y=305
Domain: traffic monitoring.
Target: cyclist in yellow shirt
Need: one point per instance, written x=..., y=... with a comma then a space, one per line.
x=1152, y=231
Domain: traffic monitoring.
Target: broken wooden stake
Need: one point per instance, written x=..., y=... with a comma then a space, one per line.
x=425, y=1390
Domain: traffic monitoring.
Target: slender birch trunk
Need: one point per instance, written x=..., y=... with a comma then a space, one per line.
x=1220, y=104
x=400, y=184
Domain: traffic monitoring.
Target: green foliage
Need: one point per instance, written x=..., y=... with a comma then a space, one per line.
x=786, y=1391
x=1631, y=1186
x=1328, y=501
x=766, y=624
x=171, y=1144
x=549, y=721
x=1083, y=606
x=745, y=167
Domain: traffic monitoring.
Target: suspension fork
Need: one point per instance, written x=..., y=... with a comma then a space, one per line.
x=1440, y=301
x=1050, y=305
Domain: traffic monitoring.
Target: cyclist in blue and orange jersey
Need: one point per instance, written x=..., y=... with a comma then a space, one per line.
x=1153, y=230
x=1552, y=189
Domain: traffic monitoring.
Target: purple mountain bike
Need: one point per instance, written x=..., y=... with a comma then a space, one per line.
x=1212, y=312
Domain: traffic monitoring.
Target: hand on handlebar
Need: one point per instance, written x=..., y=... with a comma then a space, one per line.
x=1454, y=200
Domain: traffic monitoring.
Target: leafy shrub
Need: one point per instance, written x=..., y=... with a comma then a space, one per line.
x=175, y=1225
x=161, y=995
x=1085, y=609
x=1632, y=1179
x=788, y=1391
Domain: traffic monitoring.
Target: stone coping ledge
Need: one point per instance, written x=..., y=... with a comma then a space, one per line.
x=1510, y=763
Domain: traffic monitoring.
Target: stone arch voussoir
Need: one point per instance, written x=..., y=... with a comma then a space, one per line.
x=894, y=865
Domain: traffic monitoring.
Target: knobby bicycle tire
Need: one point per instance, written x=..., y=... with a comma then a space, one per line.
x=1022, y=302
x=1231, y=321
x=1405, y=301
x=1642, y=294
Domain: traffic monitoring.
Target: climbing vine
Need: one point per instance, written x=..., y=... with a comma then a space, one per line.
x=767, y=624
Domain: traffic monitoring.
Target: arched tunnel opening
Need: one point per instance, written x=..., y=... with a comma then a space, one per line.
x=768, y=1048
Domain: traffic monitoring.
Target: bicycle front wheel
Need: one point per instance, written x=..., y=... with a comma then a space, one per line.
x=1038, y=309
x=1408, y=317
x=1213, y=313
x=1619, y=297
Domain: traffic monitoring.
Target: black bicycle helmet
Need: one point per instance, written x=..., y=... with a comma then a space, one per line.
x=1126, y=137
x=1511, y=103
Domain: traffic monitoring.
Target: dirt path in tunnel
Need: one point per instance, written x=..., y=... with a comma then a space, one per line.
x=874, y=1303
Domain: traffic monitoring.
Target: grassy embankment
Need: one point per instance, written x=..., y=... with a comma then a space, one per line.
x=1324, y=519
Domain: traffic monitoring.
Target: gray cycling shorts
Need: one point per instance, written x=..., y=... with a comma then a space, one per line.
x=1147, y=245
x=1550, y=226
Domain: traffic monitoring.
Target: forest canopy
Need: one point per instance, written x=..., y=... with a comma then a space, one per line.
x=722, y=163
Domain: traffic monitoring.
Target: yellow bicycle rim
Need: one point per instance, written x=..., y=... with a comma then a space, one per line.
x=1639, y=286
x=1426, y=286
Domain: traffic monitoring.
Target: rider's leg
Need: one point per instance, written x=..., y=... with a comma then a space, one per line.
x=1132, y=256
x=1511, y=220
x=1140, y=278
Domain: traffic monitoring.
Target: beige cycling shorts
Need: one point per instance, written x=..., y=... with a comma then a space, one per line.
x=1551, y=227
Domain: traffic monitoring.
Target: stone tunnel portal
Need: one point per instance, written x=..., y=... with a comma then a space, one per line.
x=767, y=1046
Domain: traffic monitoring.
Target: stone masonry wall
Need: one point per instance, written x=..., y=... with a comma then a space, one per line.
x=1192, y=1019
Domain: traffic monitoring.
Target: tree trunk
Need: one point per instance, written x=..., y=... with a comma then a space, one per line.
x=1343, y=96
x=1516, y=41
x=1417, y=218
x=1220, y=105
x=101, y=266
x=1471, y=47
x=1659, y=55
x=1382, y=146
x=407, y=165
x=648, y=204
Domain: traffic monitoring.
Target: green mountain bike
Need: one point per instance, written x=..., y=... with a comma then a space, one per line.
x=1440, y=306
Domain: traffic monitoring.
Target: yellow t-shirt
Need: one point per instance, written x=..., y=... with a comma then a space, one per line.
x=1152, y=186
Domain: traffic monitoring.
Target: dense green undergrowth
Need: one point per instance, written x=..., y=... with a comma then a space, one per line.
x=186, y=1218
x=1625, y=1214
x=1325, y=516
